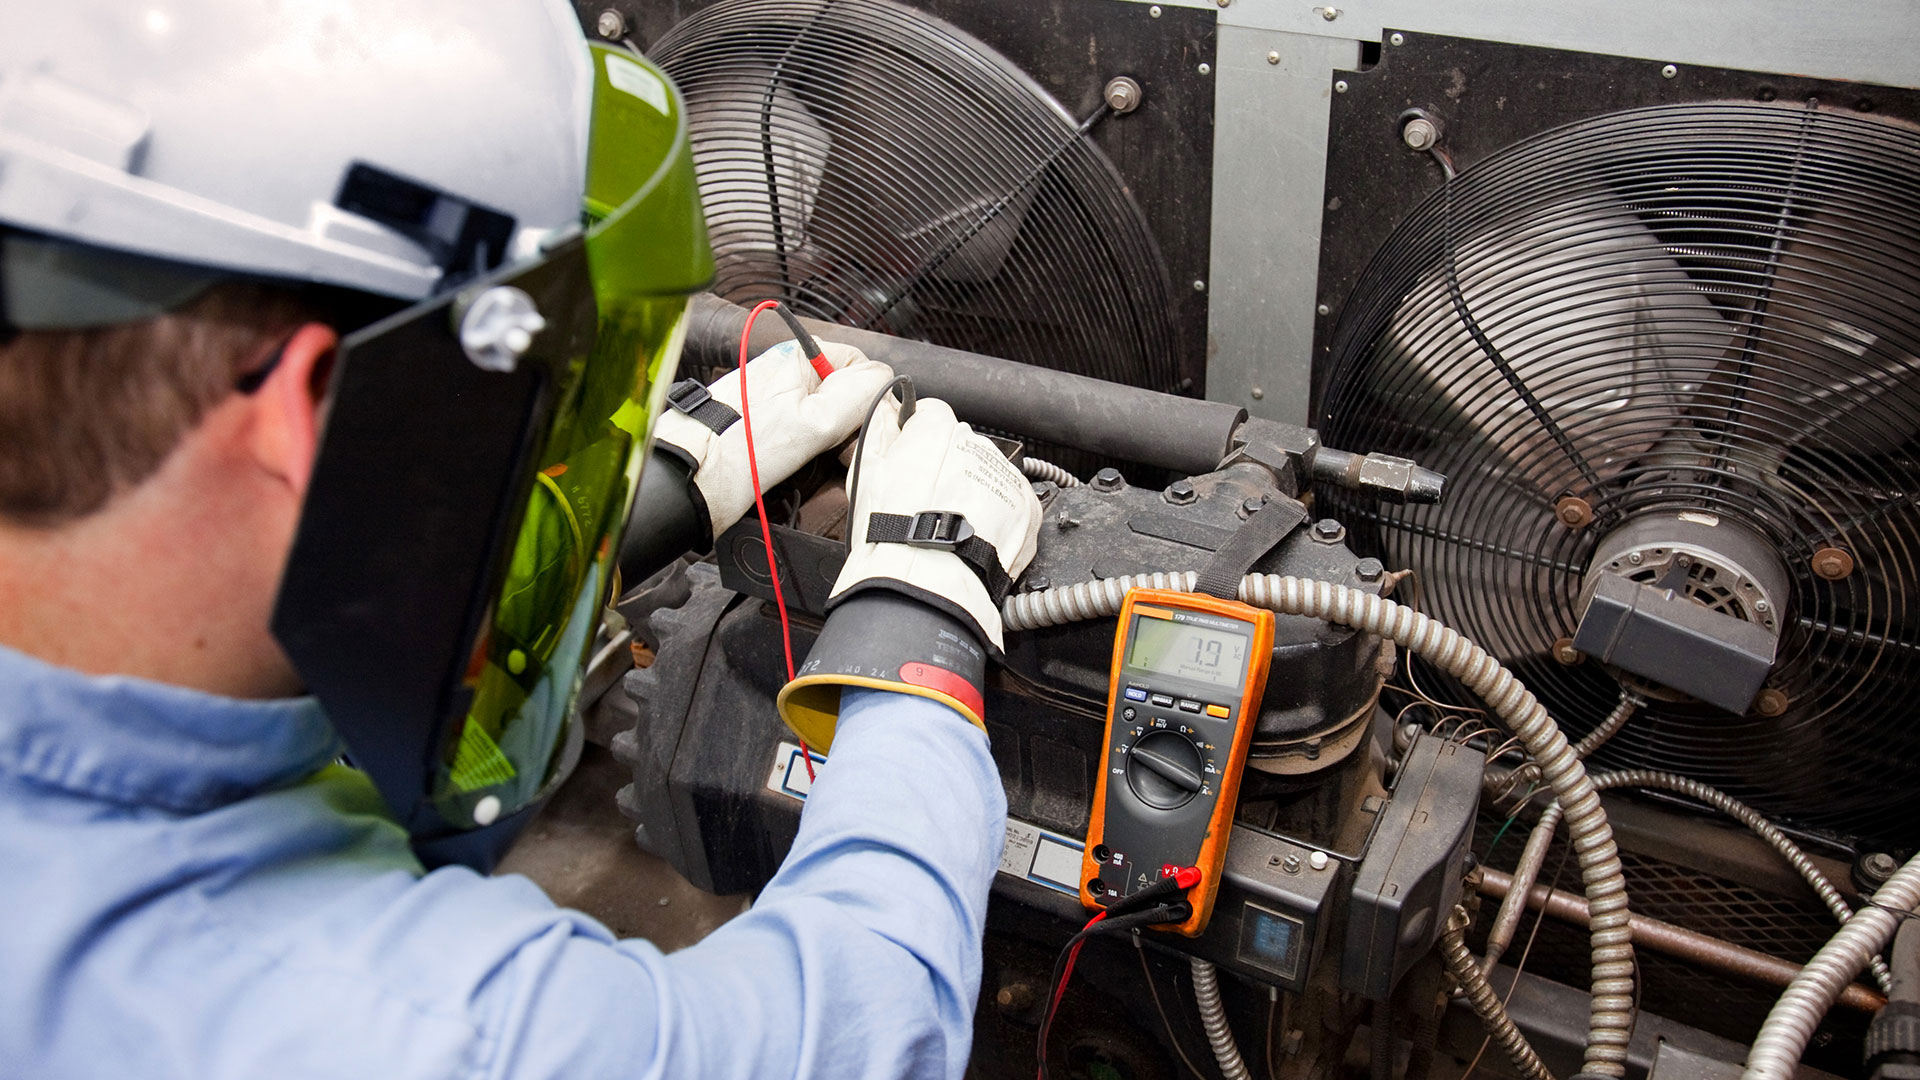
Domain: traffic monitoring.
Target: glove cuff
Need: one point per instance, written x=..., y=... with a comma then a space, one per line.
x=881, y=639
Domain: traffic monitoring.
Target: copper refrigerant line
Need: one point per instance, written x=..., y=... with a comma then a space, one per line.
x=1711, y=953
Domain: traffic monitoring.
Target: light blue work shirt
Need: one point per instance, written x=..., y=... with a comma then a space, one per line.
x=189, y=889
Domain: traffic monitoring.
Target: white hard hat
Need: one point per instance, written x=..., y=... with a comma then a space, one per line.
x=386, y=147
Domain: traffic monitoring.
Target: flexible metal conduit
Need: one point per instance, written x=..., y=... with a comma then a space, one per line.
x=1527, y=871
x=1775, y=1054
x=1036, y=469
x=1213, y=1018
x=1610, y=1018
x=1486, y=1004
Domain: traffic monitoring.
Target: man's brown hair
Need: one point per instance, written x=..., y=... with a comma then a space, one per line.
x=88, y=414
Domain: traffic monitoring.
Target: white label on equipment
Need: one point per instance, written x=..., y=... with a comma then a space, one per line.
x=1031, y=853
x=626, y=75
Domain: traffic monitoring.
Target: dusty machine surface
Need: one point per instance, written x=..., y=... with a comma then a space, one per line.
x=1594, y=336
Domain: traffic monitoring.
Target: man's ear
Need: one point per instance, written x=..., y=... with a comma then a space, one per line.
x=286, y=429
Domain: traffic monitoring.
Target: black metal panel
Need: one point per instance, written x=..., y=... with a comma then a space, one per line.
x=1487, y=95
x=1163, y=150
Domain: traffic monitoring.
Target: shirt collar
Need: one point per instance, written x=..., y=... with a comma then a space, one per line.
x=134, y=741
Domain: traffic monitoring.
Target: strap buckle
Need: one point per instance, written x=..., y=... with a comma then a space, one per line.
x=940, y=529
x=688, y=395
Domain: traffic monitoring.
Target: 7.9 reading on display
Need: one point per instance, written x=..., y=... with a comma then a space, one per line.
x=1185, y=651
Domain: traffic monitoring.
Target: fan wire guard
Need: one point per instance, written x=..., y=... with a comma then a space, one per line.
x=874, y=166
x=1707, y=313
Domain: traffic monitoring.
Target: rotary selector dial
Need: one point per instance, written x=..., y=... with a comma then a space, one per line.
x=1165, y=770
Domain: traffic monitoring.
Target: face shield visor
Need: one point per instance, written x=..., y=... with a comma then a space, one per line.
x=479, y=457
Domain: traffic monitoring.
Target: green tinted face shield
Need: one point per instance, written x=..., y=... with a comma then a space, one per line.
x=480, y=454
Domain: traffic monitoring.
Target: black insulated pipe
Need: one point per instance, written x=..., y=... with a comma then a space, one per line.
x=1185, y=435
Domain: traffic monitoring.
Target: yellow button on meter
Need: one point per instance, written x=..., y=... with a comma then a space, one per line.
x=1217, y=710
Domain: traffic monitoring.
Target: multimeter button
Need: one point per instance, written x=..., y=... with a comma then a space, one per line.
x=1217, y=710
x=1135, y=693
x=1189, y=706
x=1128, y=714
x=1164, y=770
x=1163, y=700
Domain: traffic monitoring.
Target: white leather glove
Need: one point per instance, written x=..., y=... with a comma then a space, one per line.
x=935, y=463
x=797, y=416
x=941, y=524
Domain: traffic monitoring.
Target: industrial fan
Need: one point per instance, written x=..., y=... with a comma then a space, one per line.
x=1669, y=359
x=874, y=166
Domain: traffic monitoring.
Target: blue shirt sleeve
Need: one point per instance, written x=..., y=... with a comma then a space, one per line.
x=860, y=959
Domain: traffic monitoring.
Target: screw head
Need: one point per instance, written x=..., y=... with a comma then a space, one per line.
x=1273, y=57
x=1420, y=134
x=1108, y=479
x=1199, y=284
x=1762, y=606
x=1323, y=310
x=1038, y=583
x=1223, y=3
x=1123, y=95
x=1564, y=652
x=1291, y=864
x=1256, y=393
x=1329, y=13
x=611, y=25
x=1635, y=558
x=1206, y=69
x=1770, y=702
x=1369, y=569
x=1832, y=563
x=1180, y=492
x=1340, y=86
x=1397, y=39
x=1877, y=866
x=1154, y=11
x=1328, y=531
x=1669, y=71
x=1574, y=512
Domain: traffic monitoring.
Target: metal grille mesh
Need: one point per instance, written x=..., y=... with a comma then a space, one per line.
x=1707, y=312
x=877, y=167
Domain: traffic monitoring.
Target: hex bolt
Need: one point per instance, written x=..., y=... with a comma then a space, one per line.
x=1251, y=506
x=1291, y=864
x=1832, y=563
x=1770, y=702
x=1328, y=531
x=1123, y=95
x=611, y=25
x=1420, y=134
x=1318, y=860
x=1067, y=521
x=1635, y=558
x=1369, y=569
x=1180, y=492
x=1045, y=490
x=1108, y=479
x=1397, y=39
x=1573, y=512
x=1564, y=652
x=1038, y=583
x=1669, y=71
x=1340, y=86
x=1762, y=606
x=1875, y=867
x=1273, y=57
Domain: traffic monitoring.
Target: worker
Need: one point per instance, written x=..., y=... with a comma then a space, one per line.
x=334, y=337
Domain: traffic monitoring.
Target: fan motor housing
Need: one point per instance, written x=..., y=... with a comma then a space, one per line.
x=1686, y=606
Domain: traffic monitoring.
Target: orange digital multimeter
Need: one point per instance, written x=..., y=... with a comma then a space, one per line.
x=1188, y=674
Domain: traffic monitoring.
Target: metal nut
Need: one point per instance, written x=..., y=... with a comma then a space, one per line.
x=1329, y=531
x=1108, y=479
x=611, y=25
x=1123, y=95
x=1180, y=493
x=1877, y=866
x=1564, y=652
x=1369, y=569
x=1770, y=702
x=1420, y=134
x=1832, y=563
x=1573, y=512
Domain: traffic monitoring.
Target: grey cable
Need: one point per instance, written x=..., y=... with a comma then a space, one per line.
x=1486, y=1004
x=1213, y=1017
x=1036, y=469
x=1775, y=1054
x=1719, y=800
x=1610, y=1015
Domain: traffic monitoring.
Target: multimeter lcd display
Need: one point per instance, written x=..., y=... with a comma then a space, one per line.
x=1186, y=651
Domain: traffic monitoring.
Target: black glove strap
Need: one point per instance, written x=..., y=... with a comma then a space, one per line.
x=943, y=530
x=1263, y=529
x=691, y=396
